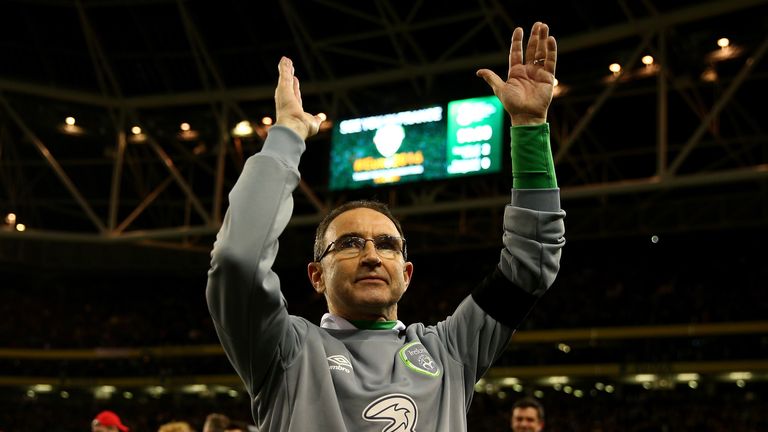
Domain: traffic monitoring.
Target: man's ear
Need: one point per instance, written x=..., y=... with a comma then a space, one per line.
x=407, y=273
x=315, y=273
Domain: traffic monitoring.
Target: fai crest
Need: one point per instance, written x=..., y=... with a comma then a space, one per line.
x=416, y=357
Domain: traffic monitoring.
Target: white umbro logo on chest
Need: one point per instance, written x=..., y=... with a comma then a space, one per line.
x=339, y=363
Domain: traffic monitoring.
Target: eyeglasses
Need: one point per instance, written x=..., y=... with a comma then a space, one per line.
x=350, y=246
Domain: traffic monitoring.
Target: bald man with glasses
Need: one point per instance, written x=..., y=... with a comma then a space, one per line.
x=361, y=368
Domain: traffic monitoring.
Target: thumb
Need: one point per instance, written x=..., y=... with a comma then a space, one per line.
x=491, y=78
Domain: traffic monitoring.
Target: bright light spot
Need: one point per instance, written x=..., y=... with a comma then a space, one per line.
x=10, y=219
x=509, y=381
x=723, y=42
x=243, y=129
x=600, y=386
x=709, y=75
x=564, y=348
x=128, y=395
x=740, y=375
x=104, y=392
x=156, y=391
x=645, y=377
x=557, y=387
x=647, y=60
x=502, y=395
x=185, y=126
x=70, y=121
x=195, y=388
x=64, y=394
x=578, y=393
x=556, y=83
x=741, y=383
x=136, y=130
x=21, y=227
x=322, y=116
x=647, y=385
x=568, y=389
x=233, y=393
x=30, y=393
x=480, y=385
x=688, y=377
x=539, y=394
x=517, y=387
x=266, y=121
x=42, y=388
x=693, y=384
x=558, y=380
x=615, y=68
x=654, y=239
x=609, y=388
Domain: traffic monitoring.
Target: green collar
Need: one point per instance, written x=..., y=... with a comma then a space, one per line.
x=373, y=325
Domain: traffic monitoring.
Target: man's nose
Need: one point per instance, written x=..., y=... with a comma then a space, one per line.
x=369, y=254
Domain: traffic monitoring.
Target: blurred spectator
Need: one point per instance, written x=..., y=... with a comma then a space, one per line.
x=216, y=423
x=176, y=426
x=527, y=416
x=107, y=421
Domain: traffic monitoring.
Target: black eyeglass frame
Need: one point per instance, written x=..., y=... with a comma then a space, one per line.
x=328, y=249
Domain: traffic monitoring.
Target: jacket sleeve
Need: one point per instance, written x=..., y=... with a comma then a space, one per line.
x=480, y=329
x=243, y=292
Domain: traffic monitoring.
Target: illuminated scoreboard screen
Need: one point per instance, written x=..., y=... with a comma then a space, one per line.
x=431, y=143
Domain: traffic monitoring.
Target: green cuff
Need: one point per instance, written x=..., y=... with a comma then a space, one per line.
x=532, y=163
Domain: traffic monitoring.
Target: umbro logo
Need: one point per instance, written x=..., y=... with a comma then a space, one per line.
x=339, y=363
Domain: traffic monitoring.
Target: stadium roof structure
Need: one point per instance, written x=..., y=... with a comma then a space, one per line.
x=671, y=144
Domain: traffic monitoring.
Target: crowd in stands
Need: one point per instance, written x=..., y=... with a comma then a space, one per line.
x=677, y=280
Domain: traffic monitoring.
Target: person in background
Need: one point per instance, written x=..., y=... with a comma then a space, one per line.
x=176, y=426
x=527, y=416
x=216, y=422
x=107, y=421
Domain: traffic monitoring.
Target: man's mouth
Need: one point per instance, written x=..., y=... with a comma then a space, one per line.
x=371, y=279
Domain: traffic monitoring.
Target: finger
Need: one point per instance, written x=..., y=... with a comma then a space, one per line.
x=530, y=50
x=541, y=44
x=297, y=90
x=516, y=48
x=491, y=78
x=551, y=62
x=285, y=79
x=285, y=67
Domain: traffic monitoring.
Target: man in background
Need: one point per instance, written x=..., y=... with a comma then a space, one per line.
x=527, y=416
x=107, y=421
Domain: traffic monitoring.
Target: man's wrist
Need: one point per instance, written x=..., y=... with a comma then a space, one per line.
x=526, y=120
x=297, y=126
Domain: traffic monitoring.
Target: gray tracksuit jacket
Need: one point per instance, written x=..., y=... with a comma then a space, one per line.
x=302, y=377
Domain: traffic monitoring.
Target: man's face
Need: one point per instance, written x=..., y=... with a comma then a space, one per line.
x=367, y=286
x=526, y=420
x=98, y=427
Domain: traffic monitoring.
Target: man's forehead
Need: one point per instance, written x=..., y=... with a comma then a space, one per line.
x=526, y=412
x=362, y=221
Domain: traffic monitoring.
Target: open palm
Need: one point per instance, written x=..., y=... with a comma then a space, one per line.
x=527, y=91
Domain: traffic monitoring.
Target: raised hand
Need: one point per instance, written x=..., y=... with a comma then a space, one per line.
x=289, y=109
x=527, y=91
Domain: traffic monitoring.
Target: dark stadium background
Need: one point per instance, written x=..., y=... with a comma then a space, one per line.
x=657, y=321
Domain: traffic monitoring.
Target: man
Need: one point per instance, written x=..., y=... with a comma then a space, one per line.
x=362, y=369
x=107, y=421
x=215, y=422
x=527, y=416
